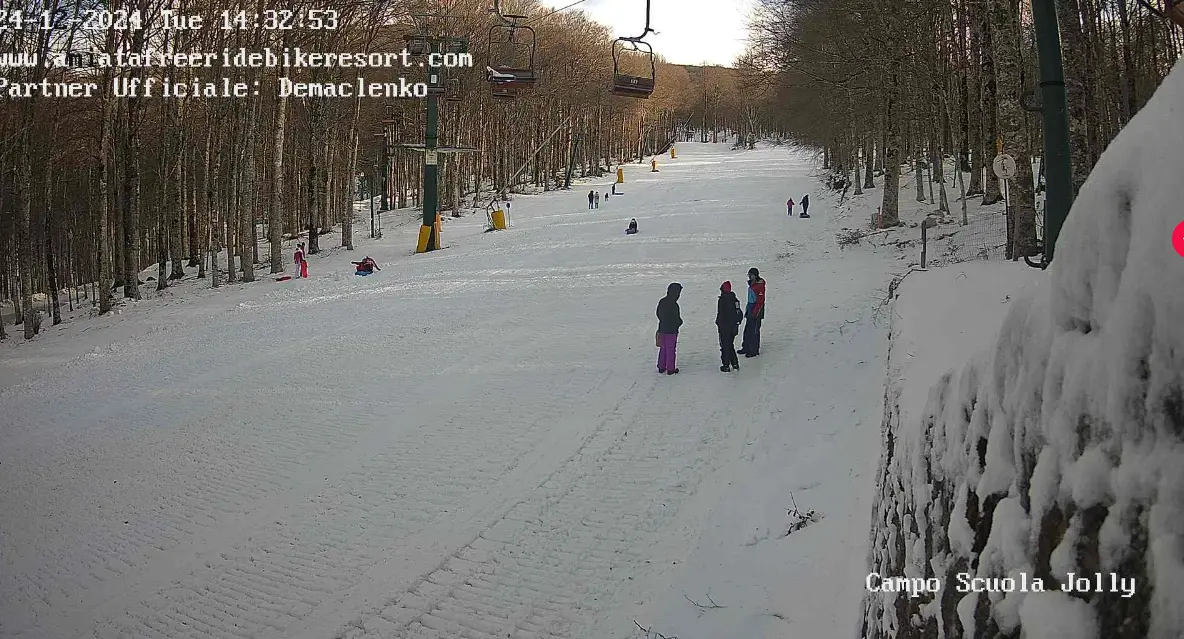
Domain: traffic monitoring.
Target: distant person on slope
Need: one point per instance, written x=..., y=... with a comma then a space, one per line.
x=805, y=205
x=632, y=227
x=669, y=321
x=299, y=261
x=597, y=199
x=789, y=205
x=728, y=316
x=366, y=267
x=591, y=198
x=751, y=346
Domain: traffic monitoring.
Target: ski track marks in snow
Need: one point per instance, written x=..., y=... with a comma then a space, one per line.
x=474, y=444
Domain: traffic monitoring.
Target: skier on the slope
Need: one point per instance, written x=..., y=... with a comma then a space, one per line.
x=669, y=321
x=755, y=312
x=300, y=262
x=728, y=316
x=805, y=205
x=789, y=205
x=591, y=198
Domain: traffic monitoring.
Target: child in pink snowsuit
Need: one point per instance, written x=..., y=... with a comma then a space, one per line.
x=669, y=321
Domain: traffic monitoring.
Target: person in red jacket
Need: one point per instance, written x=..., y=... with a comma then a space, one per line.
x=366, y=267
x=789, y=205
x=300, y=262
x=754, y=313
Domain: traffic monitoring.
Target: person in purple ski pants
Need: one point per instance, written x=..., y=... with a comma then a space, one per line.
x=669, y=321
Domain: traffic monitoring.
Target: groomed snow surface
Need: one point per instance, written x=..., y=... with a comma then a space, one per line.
x=1053, y=440
x=472, y=443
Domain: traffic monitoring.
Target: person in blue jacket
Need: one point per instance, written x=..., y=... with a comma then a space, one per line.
x=754, y=313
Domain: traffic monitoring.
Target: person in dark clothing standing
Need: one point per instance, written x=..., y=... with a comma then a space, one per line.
x=755, y=312
x=805, y=205
x=669, y=321
x=591, y=198
x=728, y=316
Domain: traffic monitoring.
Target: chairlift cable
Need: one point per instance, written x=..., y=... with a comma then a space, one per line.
x=553, y=12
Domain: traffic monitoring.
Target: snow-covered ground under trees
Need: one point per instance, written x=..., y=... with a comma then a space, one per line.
x=471, y=443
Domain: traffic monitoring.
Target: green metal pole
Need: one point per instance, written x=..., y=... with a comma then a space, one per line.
x=430, y=175
x=1058, y=168
x=386, y=169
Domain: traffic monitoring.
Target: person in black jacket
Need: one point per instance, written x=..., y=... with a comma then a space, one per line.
x=669, y=321
x=728, y=316
x=805, y=205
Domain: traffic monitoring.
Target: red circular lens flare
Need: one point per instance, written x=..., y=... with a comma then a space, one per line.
x=1178, y=239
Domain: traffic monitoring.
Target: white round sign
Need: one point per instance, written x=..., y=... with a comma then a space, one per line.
x=1004, y=166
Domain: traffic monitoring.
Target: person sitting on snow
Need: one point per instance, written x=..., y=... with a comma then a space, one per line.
x=366, y=266
x=632, y=227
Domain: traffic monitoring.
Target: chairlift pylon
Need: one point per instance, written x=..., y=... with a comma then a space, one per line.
x=634, y=86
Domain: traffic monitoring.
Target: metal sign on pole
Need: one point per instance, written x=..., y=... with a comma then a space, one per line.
x=1004, y=166
x=1005, y=170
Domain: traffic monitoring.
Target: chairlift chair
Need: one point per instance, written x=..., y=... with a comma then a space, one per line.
x=417, y=44
x=505, y=73
x=388, y=115
x=453, y=90
x=632, y=86
x=502, y=92
x=1172, y=10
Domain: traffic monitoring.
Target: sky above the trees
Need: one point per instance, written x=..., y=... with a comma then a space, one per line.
x=689, y=31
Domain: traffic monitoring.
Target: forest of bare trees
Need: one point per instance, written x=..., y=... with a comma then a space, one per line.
x=95, y=190
x=883, y=84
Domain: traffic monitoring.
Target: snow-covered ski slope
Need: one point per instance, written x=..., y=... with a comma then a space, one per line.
x=471, y=443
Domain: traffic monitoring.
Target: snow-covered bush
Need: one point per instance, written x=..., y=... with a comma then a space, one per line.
x=1061, y=449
